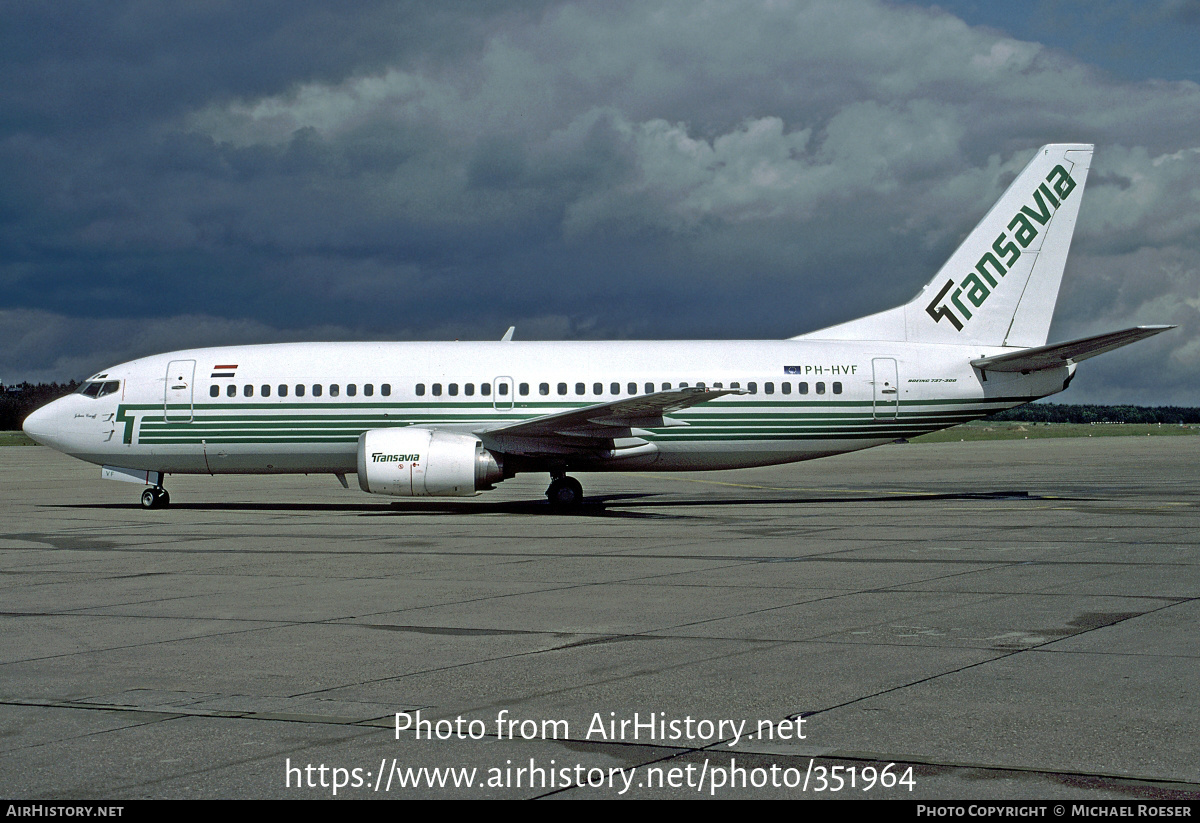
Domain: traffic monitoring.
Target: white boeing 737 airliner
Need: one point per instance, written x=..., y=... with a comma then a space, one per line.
x=420, y=419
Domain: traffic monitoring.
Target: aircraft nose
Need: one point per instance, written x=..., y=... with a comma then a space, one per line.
x=42, y=425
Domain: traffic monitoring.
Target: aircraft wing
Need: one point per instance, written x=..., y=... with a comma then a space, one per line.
x=1062, y=354
x=598, y=426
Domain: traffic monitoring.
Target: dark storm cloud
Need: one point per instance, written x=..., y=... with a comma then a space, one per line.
x=1152, y=39
x=224, y=173
x=93, y=63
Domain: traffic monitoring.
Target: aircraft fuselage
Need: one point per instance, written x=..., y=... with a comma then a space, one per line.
x=301, y=407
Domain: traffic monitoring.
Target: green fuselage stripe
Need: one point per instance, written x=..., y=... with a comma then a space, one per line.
x=341, y=421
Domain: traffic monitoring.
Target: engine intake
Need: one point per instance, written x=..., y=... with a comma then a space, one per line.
x=415, y=462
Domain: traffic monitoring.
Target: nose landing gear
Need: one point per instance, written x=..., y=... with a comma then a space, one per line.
x=155, y=498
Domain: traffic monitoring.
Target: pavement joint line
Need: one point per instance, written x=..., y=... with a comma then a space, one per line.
x=757, y=611
x=618, y=554
x=659, y=476
x=174, y=712
x=835, y=641
x=81, y=652
x=886, y=589
x=566, y=647
x=875, y=757
x=1168, y=783
x=960, y=669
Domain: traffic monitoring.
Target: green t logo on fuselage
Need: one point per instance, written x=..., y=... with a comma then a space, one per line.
x=977, y=286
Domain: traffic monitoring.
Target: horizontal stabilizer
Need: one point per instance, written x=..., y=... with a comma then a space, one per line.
x=1062, y=354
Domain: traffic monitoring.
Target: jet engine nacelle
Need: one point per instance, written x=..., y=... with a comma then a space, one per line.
x=415, y=462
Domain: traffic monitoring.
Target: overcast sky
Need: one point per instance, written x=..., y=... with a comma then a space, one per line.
x=180, y=174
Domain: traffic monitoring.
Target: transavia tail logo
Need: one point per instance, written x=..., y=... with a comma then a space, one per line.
x=978, y=285
x=380, y=457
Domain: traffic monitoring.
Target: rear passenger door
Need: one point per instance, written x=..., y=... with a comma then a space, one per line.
x=887, y=389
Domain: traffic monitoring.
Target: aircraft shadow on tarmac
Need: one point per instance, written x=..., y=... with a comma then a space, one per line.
x=648, y=506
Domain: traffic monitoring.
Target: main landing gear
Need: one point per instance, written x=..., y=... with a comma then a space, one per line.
x=155, y=497
x=564, y=492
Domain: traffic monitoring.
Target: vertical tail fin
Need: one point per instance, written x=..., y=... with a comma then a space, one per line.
x=1000, y=286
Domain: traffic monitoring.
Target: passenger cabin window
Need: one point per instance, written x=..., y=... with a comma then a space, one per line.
x=562, y=388
x=768, y=388
x=316, y=389
x=351, y=390
x=299, y=389
x=580, y=388
x=785, y=388
x=248, y=390
x=665, y=387
x=803, y=388
x=469, y=389
x=420, y=389
x=231, y=390
x=837, y=388
x=502, y=389
x=214, y=391
x=820, y=388
x=335, y=390
x=283, y=389
x=437, y=389
x=266, y=390
x=523, y=389
x=543, y=389
x=650, y=387
x=369, y=389
x=752, y=387
x=597, y=388
x=485, y=389
x=452, y=390
x=632, y=388
x=386, y=389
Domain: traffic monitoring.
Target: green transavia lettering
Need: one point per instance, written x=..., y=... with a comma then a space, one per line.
x=380, y=457
x=994, y=264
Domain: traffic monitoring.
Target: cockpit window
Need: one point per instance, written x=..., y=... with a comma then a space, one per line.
x=98, y=388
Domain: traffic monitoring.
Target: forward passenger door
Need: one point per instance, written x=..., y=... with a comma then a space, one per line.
x=178, y=391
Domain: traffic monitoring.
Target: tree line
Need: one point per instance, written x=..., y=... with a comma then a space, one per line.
x=16, y=402
x=1062, y=413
